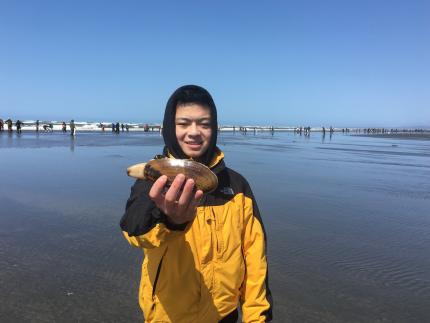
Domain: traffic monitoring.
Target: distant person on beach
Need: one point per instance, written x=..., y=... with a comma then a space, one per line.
x=37, y=125
x=72, y=127
x=64, y=127
x=127, y=127
x=48, y=127
x=117, y=127
x=204, y=254
x=122, y=127
x=18, y=124
x=9, y=125
x=1, y=125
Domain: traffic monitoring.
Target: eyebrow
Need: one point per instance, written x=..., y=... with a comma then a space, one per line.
x=191, y=119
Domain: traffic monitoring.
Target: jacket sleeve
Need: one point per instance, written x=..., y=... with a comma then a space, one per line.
x=256, y=298
x=143, y=224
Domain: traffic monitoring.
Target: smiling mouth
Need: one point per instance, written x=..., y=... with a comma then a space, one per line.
x=194, y=145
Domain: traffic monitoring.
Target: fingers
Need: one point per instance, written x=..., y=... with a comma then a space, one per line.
x=196, y=200
x=179, y=205
x=198, y=196
x=186, y=196
x=191, y=204
x=187, y=204
x=156, y=192
x=172, y=194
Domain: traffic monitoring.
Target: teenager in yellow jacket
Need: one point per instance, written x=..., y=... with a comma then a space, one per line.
x=204, y=255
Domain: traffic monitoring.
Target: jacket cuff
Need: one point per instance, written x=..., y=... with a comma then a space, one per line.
x=173, y=226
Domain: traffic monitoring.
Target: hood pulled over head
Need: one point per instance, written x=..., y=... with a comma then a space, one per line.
x=183, y=95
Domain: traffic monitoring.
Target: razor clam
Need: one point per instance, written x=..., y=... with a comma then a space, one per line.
x=203, y=177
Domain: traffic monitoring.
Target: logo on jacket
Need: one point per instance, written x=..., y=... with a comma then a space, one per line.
x=227, y=191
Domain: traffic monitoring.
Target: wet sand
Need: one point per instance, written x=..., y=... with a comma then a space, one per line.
x=58, y=271
x=346, y=218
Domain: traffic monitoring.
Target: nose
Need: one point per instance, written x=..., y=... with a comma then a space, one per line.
x=193, y=130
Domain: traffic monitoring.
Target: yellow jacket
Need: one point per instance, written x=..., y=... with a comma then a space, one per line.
x=202, y=270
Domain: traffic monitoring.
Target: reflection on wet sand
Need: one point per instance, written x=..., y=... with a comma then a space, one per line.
x=346, y=221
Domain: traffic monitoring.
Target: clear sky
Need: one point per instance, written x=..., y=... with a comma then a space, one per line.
x=341, y=63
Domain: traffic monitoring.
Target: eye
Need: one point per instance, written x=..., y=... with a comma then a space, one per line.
x=204, y=123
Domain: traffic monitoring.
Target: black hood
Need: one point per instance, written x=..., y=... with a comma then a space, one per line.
x=188, y=94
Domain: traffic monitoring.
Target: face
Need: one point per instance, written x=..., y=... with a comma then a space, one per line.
x=193, y=128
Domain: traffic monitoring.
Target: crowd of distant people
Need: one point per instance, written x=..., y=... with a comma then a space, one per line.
x=117, y=126
x=49, y=127
x=121, y=127
x=9, y=124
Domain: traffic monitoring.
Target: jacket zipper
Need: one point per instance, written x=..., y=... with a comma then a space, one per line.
x=216, y=235
x=158, y=274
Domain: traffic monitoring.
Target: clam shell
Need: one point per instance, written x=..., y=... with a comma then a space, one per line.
x=204, y=178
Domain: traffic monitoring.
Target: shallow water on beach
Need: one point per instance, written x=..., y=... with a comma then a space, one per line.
x=347, y=220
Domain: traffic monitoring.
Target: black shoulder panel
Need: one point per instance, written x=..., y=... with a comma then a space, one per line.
x=230, y=184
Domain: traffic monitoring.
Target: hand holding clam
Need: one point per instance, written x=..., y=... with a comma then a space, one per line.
x=178, y=204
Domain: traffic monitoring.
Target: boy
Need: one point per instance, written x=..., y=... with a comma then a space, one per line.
x=204, y=254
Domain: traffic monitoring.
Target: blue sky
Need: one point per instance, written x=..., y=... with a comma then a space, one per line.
x=340, y=63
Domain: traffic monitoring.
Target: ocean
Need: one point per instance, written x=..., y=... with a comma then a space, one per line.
x=347, y=221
